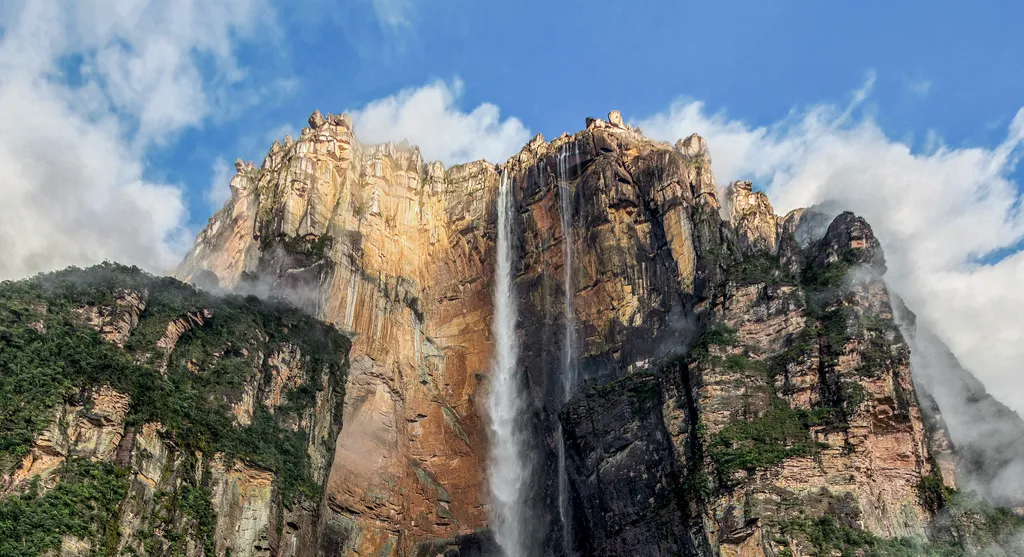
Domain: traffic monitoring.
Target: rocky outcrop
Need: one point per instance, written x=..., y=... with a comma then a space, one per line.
x=735, y=365
x=91, y=430
x=115, y=322
x=751, y=216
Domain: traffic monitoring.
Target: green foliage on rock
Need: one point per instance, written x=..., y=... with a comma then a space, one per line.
x=778, y=434
x=716, y=335
x=49, y=356
x=84, y=504
x=759, y=268
x=829, y=276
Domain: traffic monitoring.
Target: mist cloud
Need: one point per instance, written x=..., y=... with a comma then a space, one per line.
x=937, y=213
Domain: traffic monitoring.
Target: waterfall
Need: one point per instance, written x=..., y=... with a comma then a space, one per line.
x=568, y=343
x=508, y=470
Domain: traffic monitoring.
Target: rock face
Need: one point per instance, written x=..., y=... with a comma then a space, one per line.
x=743, y=375
x=745, y=384
x=395, y=251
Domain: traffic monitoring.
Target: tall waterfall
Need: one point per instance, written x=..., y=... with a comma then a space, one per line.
x=508, y=469
x=569, y=341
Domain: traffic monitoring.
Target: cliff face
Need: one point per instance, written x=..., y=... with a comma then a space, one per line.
x=144, y=418
x=394, y=252
x=743, y=389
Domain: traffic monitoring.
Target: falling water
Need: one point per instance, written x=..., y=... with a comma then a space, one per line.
x=568, y=345
x=507, y=471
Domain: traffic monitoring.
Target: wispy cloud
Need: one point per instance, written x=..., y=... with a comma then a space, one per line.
x=919, y=87
x=936, y=211
x=394, y=13
x=219, y=189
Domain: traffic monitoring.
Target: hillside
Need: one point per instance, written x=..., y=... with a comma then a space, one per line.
x=141, y=417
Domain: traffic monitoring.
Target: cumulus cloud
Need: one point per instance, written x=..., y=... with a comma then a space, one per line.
x=86, y=88
x=937, y=213
x=431, y=118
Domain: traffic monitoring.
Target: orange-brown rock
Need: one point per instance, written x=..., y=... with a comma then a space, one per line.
x=116, y=322
x=399, y=254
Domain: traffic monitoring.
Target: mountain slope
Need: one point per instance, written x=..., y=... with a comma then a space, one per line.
x=142, y=417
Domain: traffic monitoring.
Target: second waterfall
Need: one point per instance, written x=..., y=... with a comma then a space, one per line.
x=508, y=472
x=569, y=344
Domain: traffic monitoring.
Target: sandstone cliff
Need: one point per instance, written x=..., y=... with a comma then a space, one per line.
x=742, y=374
x=747, y=385
x=743, y=377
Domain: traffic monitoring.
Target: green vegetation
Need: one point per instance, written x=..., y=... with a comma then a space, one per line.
x=716, y=335
x=876, y=346
x=965, y=521
x=823, y=286
x=802, y=347
x=828, y=537
x=315, y=247
x=637, y=385
x=205, y=374
x=741, y=363
x=780, y=433
x=758, y=268
x=934, y=493
x=696, y=486
x=830, y=276
x=834, y=326
x=84, y=504
x=41, y=370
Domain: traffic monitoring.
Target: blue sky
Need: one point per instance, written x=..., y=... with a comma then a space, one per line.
x=939, y=66
x=119, y=119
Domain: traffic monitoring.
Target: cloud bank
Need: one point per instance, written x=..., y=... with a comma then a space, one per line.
x=429, y=117
x=86, y=88
x=937, y=212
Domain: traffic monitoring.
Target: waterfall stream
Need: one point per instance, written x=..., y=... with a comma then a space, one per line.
x=569, y=341
x=508, y=468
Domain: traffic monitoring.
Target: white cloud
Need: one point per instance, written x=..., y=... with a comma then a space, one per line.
x=220, y=185
x=430, y=118
x=936, y=212
x=73, y=144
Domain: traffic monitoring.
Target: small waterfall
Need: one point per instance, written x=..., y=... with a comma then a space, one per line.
x=569, y=341
x=508, y=469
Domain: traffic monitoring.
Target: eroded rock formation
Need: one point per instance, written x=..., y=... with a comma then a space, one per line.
x=399, y=253
x=744, y=389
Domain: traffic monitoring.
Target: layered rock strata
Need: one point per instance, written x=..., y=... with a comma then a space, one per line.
x=742, y=372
